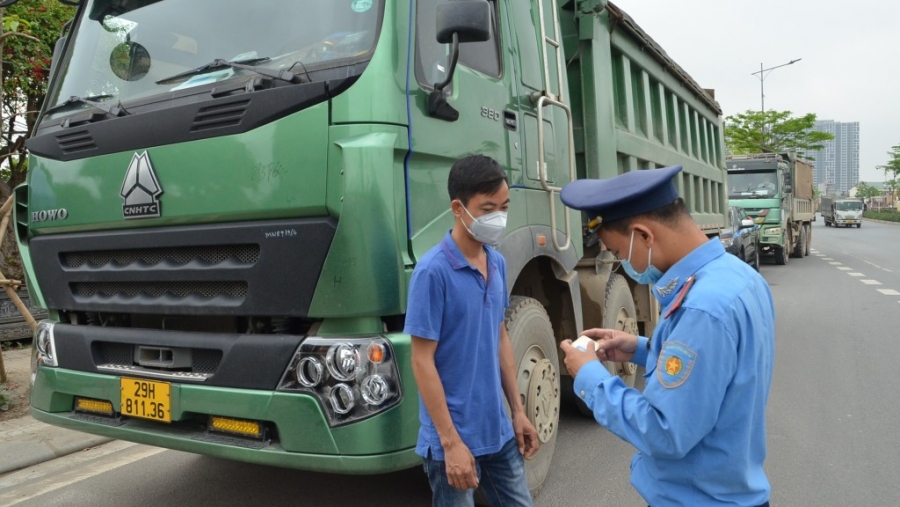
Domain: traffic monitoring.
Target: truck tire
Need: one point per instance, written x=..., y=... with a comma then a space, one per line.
x=781, y=252
x=536, y=358
x=858, y=226
x=801, y=243
x=806, y=247
x=619, y=313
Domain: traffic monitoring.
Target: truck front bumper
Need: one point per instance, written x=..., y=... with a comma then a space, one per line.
x=301, y=438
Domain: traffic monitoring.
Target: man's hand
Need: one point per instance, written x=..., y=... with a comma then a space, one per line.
x=460, y=466
x=576, y=358
x=526, y=435
x=613, y=345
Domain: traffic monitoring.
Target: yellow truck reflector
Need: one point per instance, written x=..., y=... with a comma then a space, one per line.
x=236, y=426
x=94, y=406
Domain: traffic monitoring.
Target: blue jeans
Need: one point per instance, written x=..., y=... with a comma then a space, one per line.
x=501, y=477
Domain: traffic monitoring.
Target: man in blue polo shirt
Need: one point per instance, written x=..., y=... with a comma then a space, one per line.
x=461, y=355
x=699, y=425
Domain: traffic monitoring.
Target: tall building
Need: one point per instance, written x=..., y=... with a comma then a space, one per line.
x=837, y=163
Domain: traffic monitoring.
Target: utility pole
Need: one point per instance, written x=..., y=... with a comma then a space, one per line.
x=762, y=76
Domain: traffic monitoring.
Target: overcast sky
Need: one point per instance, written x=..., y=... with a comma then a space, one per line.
x=850, y=67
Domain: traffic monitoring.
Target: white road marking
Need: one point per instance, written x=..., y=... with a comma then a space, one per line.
x=59, y=473
x=844, y=268
x=827, y=259
x=871, y=282
x=889, y=292
x=835, y=263
x=856, y=274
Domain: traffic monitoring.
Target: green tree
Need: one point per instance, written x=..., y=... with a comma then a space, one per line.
x=30, y=30
x=773, y=131
x=865, y=191
x=892, y=168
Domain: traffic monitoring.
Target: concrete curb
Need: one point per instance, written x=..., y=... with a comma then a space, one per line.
x=25, y=442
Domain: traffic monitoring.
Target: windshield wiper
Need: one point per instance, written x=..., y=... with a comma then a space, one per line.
x=218, y=63
x=111, y=109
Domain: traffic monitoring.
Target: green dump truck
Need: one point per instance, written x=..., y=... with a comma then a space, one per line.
x=225, y=205
x=842, y=212
x=776, y=190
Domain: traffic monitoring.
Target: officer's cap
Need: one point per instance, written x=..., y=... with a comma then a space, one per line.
x=623, y=196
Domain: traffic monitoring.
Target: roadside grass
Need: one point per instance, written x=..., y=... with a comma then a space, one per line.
x=889, y=216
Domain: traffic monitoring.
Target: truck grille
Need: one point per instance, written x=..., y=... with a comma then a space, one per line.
x=264, y=268
x=160, y=289
x=207, y=255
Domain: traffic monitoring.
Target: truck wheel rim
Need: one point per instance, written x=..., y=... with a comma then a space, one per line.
x=542, y=392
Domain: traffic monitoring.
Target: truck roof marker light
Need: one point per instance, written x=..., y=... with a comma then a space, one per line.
x=375, y=353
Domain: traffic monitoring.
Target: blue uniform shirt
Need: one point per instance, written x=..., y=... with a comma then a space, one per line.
x=699, y=425
x=450, y=302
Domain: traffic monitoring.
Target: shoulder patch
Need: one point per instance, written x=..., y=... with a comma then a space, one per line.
x=676, y=360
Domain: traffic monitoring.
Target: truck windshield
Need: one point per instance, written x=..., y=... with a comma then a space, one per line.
x=130, y=49
x=749, y=185
x=848, y=206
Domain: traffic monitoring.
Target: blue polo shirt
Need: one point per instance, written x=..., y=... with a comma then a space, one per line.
x=450, y=302
x=700, y=424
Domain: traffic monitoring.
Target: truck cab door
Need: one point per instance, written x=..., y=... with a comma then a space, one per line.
x=483, y=92
x=539, y=55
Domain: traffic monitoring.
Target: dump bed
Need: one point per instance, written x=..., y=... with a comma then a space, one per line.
x=657, y=115
x=803, y=180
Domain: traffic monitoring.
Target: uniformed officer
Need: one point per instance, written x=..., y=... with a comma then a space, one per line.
x=699, y=425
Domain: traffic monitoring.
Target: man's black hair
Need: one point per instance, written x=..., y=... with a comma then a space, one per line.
x=668, y=215
x=474, y=174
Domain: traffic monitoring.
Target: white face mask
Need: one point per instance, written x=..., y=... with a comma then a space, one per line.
x=487, y=229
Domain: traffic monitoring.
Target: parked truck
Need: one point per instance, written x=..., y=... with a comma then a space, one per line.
x=842, y=212
x=776, y=190
x=225, y=204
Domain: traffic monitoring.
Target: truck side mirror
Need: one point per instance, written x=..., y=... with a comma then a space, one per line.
x=458, y=21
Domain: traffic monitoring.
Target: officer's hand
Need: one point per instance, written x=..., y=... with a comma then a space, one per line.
x=576, y=358
x=526, y=435
x=613, y=345
x=460, y=466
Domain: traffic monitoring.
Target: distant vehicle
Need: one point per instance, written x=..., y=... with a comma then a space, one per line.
x=842, y=212
x=741, y=237
x=776, y=190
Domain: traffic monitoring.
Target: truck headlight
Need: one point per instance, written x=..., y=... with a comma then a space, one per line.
x=772, y=231
x=352, y=378
x=43, y=348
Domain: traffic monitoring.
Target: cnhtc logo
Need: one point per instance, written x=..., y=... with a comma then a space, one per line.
x=141, y=189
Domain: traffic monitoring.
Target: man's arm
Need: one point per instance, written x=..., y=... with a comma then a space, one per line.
x=526, y=434
x=458, y=459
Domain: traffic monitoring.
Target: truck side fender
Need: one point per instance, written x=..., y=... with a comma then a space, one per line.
x=535, y=269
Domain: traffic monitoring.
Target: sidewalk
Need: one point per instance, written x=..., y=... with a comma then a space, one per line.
x=25, y=442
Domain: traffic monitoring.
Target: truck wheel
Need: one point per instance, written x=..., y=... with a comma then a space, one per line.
x=808, y=240
x=537, y=360
x=801, y=242
x=619, y=313
x=781, y=252
x=858, y=226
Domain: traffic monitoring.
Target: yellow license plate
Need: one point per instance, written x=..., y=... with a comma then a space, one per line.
x=146, y=399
